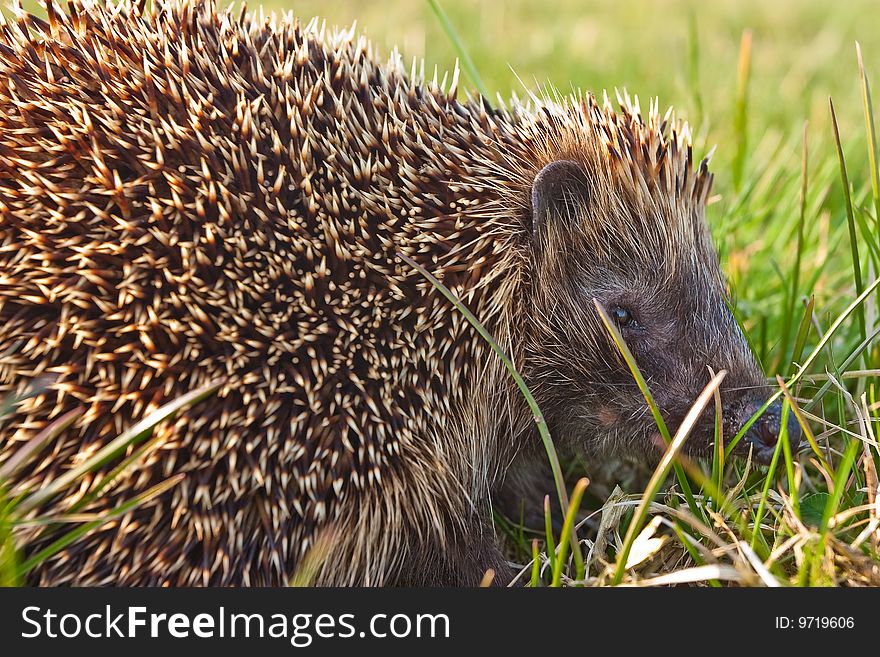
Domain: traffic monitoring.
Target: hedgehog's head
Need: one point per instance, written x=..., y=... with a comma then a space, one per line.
x=618, y=217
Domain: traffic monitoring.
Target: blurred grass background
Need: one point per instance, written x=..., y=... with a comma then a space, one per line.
x=802, y=50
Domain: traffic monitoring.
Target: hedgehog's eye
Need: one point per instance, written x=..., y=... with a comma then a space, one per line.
x=622, y=317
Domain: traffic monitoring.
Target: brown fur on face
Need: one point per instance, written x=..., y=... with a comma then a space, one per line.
x=644, y=254
x=189, y=196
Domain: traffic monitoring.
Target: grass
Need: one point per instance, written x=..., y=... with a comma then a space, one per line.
x=24, y=513
x=795, y=217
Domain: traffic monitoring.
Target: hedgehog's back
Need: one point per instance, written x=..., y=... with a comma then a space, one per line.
x=188, y=197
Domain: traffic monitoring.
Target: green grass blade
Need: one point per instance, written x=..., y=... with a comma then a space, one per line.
x=463, y=55
x=863, y=215
x=114, y=447
x=803, y=332
x=789, y=461
x=576, y=496
x=313, y=561
x=765, y=491
x=541, y=423
x=10, y=401
x=548, y=534
x=634, y=369
x=718, y=448
x=84, y=529
x=649, y=399
x=688, y=545
x=536, y=565
x=740, y=125
x=9, y=555
x=805, y=426
x=872, y=137
x=111, y=477
x=34, y=445
x=796, y=268
x=840, y=478
x=660, y=473
x=850, y=219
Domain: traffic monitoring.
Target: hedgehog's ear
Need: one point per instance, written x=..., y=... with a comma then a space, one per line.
x=559, y=192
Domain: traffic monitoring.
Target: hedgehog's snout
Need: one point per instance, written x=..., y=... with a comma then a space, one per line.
x=763, y=435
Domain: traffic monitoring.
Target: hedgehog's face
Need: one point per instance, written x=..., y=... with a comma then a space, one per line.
x=659, y=280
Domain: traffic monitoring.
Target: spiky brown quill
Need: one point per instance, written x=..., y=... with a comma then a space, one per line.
x=188, y=195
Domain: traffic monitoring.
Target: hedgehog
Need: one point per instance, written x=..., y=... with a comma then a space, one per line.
x=190, y=196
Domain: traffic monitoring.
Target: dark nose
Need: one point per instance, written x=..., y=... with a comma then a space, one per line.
x=764, y=433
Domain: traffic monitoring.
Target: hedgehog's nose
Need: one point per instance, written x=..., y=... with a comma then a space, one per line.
x=764, y=433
